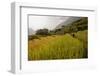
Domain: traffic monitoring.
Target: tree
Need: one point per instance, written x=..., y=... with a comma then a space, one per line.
x=42, y=32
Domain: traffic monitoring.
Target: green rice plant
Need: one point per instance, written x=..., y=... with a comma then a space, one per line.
x=82, y=35
x=55, y=47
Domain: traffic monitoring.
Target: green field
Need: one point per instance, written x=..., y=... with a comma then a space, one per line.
x=59, y=47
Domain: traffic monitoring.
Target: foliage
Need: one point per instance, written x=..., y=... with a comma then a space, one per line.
x=42, y=32
x=79, y=25
x=31, y=37
x=68, y=42
x=56, y=47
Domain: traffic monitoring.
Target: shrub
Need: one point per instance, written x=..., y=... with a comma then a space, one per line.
x=42, y=32
x=31, y=37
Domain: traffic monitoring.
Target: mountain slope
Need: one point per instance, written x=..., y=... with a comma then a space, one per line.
x=78, y=25
x=66, y=22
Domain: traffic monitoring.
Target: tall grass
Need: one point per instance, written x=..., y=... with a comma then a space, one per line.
x=56, y=47
x=83, y=37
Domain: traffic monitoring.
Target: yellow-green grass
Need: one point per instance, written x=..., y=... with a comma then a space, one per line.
x=56, y=47
x=82, y=35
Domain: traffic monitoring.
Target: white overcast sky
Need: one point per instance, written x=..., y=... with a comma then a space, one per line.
x=49, y=22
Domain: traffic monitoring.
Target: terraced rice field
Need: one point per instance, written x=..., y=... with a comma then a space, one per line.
x=58, y=47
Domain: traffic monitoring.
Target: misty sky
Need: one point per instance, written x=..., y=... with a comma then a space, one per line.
x=49, y=22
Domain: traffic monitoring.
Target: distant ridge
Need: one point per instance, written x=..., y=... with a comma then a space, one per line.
x=65, y=23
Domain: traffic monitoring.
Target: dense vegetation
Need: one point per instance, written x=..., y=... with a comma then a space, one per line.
x=76, y=26
x=68, y=42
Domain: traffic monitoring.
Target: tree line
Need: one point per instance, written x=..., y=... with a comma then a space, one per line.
x=79, y=25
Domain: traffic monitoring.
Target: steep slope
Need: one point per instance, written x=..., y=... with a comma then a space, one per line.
x=66, y=22
x=78, y=25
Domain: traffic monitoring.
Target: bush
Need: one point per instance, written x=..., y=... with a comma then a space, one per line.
x=42, y=32
x=31, y=37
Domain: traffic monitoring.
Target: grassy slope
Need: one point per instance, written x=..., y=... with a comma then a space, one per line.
x=58, y=47
x=83, y=37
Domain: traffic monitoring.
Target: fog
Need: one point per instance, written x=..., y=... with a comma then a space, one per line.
x=49, y=22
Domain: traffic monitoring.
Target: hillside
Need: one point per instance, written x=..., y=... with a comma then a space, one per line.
x=66, y=22
x=78, y=25
x=70, y=41
x=58, y=47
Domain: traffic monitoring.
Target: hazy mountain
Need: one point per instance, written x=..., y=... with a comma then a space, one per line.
x=31, y=31
x=66, y=22
x=75, y=25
